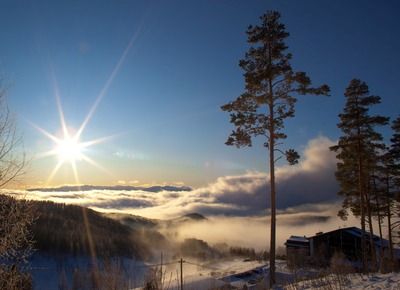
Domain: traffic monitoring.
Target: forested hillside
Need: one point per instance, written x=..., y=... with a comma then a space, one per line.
x=70, y=229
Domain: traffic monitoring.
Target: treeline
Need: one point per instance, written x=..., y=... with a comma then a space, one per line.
x=76, y=230
x=202, y=250
x=250, y=253
x=368, y=171
x=198, y=249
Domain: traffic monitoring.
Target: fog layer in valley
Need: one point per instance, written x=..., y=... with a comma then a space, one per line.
x=235, y=206
x=254, y=231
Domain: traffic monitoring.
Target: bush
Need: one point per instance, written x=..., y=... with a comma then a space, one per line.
x=16, y=217
x=340, y=265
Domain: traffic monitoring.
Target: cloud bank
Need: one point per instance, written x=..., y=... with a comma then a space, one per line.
x=75, y=188
x=311, y=181
x=304, y=220
x=236, y=206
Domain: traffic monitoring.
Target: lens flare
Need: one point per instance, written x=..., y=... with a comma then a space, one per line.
x=69, y=149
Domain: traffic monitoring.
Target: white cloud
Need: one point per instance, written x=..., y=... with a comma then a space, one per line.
x=311, y=181
x=236, y=205
x=130, y=155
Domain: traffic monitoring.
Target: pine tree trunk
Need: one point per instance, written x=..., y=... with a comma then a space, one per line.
x=371, y=233
x=361, y=193
x=380, y=220
x=363, y=240
x=389, y=216
x=273, y=201
x=362, y=208
x=271, y=130
x=273, y=215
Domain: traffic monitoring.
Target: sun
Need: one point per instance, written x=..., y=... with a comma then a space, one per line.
x=69, y=149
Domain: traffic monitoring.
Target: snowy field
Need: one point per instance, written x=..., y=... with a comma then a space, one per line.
x=203, y=276
x=389, y=281
x=47, y=270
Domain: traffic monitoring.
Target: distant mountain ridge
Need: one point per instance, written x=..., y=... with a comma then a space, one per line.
x=155, y=188
x=133, y=221
x=138, y=222
x=195, y=216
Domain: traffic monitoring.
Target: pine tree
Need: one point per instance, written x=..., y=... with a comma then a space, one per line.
x=356, y=151
x=269, y=99
x=394, y=171
x=387, y=188
x=395, y=151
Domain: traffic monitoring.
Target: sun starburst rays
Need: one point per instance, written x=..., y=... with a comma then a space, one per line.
x=68, y=148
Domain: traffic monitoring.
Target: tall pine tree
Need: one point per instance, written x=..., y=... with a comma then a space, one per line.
x=388, y=187
x=395, y=151
x=394, y=169
x=270, y=97
x=355, y=148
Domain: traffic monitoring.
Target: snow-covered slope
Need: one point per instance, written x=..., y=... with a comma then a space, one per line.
x=374, y=281
x=48, y=270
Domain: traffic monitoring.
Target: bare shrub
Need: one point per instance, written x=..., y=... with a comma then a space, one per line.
x=386, y=265
x=297, y=259
x=335, y=277
x=153, y=279
x=11, y=278
x=113, y=277
x=16, y=217
x=12, y=159
x=109, y=277
x=340, y=265
x=329, y=282
x=62, y=281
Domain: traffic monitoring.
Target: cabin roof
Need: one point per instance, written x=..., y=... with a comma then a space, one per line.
x=298, y=239
x=354, y=231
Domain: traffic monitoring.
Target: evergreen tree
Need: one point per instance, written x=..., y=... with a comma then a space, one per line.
x=270, y=96
x=387, y=190
x=356, y=151
x=394, y=170
x=395, y=151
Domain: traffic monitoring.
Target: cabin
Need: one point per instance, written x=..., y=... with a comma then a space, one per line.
x=320, y=248
x=297, y=250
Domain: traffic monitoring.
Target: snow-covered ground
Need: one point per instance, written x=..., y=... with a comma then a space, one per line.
x=201, y=276
x=239, y=273
x=47, y=270
x=374, y=281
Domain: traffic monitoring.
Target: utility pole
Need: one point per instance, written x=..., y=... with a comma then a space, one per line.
x=181, y=262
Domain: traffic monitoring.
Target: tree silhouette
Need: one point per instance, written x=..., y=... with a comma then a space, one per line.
x=393, y=180
x=16, y=216
x=356, y=150
x=395, y=151
x=270, y=97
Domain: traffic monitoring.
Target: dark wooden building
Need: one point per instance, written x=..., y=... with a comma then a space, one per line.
x=322, y=246
x=297, y=250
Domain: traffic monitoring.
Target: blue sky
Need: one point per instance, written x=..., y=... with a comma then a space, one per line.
x=182, y=66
